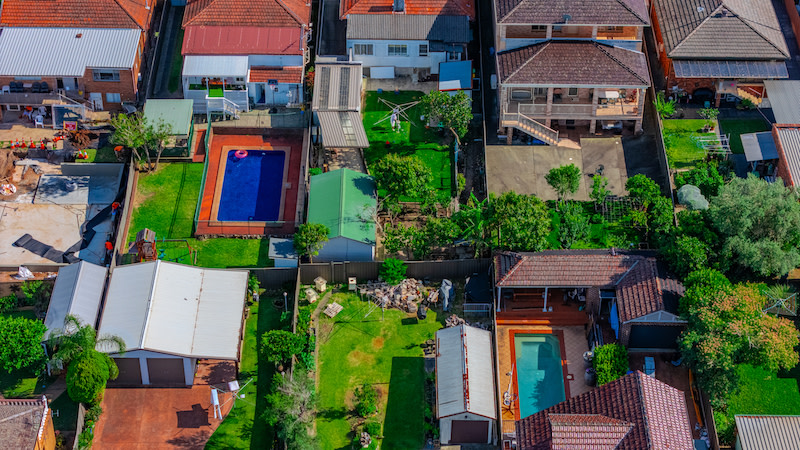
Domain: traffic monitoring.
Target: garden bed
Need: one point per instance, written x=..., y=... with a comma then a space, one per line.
x=680, y=139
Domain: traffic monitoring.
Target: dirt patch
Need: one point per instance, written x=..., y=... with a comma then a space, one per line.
x=358, y=357
x=377, y=343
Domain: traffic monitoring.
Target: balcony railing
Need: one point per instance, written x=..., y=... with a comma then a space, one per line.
x=573, y=110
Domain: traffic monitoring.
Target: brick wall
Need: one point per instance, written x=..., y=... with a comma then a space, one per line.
x=126, y=87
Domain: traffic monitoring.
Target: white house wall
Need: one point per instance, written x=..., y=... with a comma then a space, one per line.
x=142, y=355
x=344, y=249
x=279, y=97
x=380, y=55
x=446, y=426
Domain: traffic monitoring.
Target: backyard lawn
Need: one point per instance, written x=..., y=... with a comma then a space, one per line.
x=427, y=144
x=737, y=127
x=244, y=428
x=165, y=202
x=354, y=350
x=19, y=383
x=101, y=155
x=680, y=139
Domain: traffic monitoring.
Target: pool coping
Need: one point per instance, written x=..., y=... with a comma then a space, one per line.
x=223, y=161
x=511, y=335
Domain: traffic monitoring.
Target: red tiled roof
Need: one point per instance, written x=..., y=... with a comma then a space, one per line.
x=250, y=13
x=76, y=13
x=213, y=40
x=262, y=74
x=655, y=412
x=414, y=7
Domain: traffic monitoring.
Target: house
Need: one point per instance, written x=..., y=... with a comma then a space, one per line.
x=177, y=114
x=78, y=291
x=767, y=432
x=237, y=53
x=105, y=41
x=465, y=403
x=572, y=65
x=407, y=37
x=629, y=292
x=713, y=48
x=786, y=139
x=282, y=252
x=170, y=315
x=27, y=424
x=631, y=413
x=336, y=104
x=342, y=200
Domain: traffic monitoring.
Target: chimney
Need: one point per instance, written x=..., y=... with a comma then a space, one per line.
x=399, y=6
x=613, y=251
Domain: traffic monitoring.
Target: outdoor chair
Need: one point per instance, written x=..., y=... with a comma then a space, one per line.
x=16, y=87
x=44, y=88
x=38, y=121
x=35, y=87
x=5, y=90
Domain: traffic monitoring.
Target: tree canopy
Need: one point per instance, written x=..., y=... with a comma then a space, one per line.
x=564, y=180
x=141, y=136
x=454, y=111
x=291, y=408
x=21, y=347
x=522, y=222
x=310, y=238
x=759, y=225
x=88, y=374
x=402, y=176
x=655, y=211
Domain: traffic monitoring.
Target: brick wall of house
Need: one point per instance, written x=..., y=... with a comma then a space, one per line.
x=126, y=87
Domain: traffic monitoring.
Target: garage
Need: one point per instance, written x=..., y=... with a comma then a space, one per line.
x=654, y=336
x=165, y=371
x=469, y=432
x=130, y=373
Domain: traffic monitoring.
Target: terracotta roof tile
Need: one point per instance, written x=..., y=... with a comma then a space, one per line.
x=255, y=13
x=587, y=431
x=262, y=74
x=581, y=12
x=655, y=412
x=76, y=13
x=414, y=7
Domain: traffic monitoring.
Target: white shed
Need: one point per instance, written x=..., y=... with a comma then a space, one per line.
x=282, y=252
x=77, y=291
x=170, y=315
x=465, y=393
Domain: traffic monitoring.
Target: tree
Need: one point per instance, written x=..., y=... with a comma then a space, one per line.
x=402, y=176
x=88, y=374
x=564, y=180
x=454, y=111
x=280, y=345
x=705, y=175
x=21, y=347
x=685, y=254
x=654, y=212
x=393, y=271
x=290, y=409
x=759, y=225
x=522, y=222
x=474, y=221
x=142, y=137
x=574, y=225
x=310, y=238
x=610, y=362
x=599, y=191
x=726, y=326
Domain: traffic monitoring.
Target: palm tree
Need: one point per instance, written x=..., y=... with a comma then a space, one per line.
x=76, y=338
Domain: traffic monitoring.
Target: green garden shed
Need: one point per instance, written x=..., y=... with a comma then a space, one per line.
x=178, y=115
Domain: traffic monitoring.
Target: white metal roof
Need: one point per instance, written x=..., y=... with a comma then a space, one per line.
x=784, y=98
x=465, y=372
x=215, y=66
x=176, y=309
x=78, y=290
x=768, y=432
x=59, y=52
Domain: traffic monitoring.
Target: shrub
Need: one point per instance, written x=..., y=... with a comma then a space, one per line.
x=303, y=320
x=393, y=271
x=610, y=362
x=665, y=108
x=8, y=303
x=705, y=176
x=87, y=375
x=366, y=400
x=314, y=171
x=574, y=225
x=21, y=346
x=30, y=291
x=373, y=428
x=280, y=345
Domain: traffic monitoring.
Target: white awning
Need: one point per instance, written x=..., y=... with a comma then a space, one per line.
x=215, y=66
x=608, y=94
x=784, y=97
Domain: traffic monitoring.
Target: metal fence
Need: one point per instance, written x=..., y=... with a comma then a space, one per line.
x=275, y=277
x=338, y=272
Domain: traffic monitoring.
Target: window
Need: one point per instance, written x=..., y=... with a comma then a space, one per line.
x=105, y=75
x=539, y=28
x=398, y=50
x=454, y=56
x=362, y=49
x=613, y=29
x=572, y=91
x=423, y=49
x=113, y=98
x=540, y=92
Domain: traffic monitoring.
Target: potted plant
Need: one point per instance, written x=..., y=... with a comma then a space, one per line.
x=710, y=114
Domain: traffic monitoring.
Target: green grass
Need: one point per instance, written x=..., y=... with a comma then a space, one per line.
x=384, y=353
x=737, y=127
x=427, y=144
x=176, y=64
x=244, y=428
x=167, y=202
x=102, y=155
x=679, y=135
x=601, y=235
x=67, y=418
x=20, y=383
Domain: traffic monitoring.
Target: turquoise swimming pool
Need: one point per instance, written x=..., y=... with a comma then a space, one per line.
x=540, y=378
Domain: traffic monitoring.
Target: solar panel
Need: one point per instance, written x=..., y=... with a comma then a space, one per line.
x=730, y=69
x=344, y=86
x=324, y=86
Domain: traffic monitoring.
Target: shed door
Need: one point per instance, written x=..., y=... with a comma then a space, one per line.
x=654, y=336
x=130, y=373
x=469, y=432
x=166, y=371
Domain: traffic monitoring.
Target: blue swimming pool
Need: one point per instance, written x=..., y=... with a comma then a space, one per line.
x=251, y=187
x=540, y=379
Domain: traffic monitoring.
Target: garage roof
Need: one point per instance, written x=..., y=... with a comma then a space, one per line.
x=176, y=309
x=215, y=66
x=78, y=290
x=464, y=372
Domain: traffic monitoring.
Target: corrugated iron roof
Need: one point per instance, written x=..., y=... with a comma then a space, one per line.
x=229, y=40
x=65, y=52
x=784, y=98
x=768, y=432
x=175, y=112
x=464, y=372
x=176, y=309
x=77, y=291
x=337, y=87
x=338, y=199
x=408, y=27
x=789, y=148
x=342, y=129
x=215, y=66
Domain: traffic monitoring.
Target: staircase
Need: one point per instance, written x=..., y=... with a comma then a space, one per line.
x=745, y=92
x=222, y=105
x=531, y=127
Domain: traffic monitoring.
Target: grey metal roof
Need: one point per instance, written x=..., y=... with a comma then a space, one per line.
x=465, y=372
x=408, y=27
x=337, y=87
x=177, y=113
x=281, y=248
x=342, y=129
x=768, y=432
x=784, y=98
x=721, y=29
x=78, y=291
x=59, y=52
x=729, y=69
x=176, y=309
x=215, y=66
x=759, y=146
x=789, y=142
